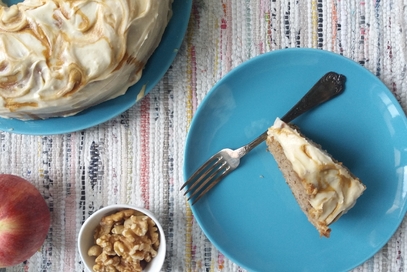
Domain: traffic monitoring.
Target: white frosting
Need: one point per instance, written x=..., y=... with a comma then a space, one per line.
x=332, y=189
x=60, y=57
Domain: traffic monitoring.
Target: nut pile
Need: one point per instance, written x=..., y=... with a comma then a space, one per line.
x=124, y=241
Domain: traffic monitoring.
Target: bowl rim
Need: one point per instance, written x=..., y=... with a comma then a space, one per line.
x=93, y=220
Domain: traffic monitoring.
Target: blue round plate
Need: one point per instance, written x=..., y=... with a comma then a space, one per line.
x=155, y=69
x=251, y=216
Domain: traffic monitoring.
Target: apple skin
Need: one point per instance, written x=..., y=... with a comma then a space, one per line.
x=24, y=220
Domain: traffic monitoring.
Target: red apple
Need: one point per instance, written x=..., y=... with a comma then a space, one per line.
x=24, y=220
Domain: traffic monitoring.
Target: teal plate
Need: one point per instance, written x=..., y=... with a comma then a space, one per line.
x=155, y=69
x=251, y=216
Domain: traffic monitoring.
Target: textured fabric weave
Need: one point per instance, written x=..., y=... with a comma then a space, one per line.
x=137, y=157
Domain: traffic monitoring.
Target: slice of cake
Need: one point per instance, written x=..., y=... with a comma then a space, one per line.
x=323, y=187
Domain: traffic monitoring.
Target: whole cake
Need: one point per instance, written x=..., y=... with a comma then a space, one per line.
x=323, y=187
x=59, y=57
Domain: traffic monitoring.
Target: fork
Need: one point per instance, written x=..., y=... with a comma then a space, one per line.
x=227, y=160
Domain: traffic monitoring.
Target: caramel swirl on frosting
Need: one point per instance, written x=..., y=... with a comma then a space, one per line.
x=60, y=57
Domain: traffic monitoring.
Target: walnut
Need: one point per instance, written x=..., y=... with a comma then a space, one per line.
x=95, y=250
x=124, y=241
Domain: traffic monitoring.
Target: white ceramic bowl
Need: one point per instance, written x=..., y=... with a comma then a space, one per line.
x=85, y=239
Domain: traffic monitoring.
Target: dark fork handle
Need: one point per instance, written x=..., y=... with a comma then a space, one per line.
x=329, y=86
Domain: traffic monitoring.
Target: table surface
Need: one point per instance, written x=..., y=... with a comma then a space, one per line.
x=137, y=157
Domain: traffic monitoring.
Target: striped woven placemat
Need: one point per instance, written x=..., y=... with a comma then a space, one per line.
x=137, y=158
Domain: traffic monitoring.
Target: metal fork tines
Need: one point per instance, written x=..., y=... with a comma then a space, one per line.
x=227, y=160
x=215, y=169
